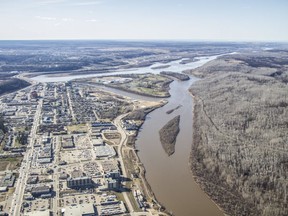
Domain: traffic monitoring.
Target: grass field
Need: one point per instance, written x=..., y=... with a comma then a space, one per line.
x=80, y=128
x=12, y=162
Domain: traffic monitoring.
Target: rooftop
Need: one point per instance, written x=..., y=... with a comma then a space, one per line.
x=78, y=210
x=38, y=213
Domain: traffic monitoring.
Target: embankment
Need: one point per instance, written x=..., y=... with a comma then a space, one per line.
x=239, y=152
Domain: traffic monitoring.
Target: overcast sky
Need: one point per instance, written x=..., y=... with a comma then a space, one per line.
x=233, y=20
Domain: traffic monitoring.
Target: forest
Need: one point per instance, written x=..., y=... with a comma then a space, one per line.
x=11, y=85
x=239, y=151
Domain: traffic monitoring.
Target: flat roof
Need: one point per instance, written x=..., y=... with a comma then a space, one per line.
x=79, y=210
x=104, y=151
x=38, y=213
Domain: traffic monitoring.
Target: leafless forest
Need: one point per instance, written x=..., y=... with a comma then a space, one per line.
x=168, y=135
x=240, y=150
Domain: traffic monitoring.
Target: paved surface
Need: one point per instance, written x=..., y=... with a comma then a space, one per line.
x=25, y=166
x=123, y=141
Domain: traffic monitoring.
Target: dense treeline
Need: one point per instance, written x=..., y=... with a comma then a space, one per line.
x=178, y=76
x=239, y=153
x=13, y=84
x=168, y=134
x=2, y=126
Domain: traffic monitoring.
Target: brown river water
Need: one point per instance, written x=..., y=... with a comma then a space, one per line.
x=170, y=177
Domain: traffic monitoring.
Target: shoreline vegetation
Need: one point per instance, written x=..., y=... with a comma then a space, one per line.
x=240, y=119
x=161, y=67
x=174, y=109
x=140, y=115
x=179, y=76
x=168, y=135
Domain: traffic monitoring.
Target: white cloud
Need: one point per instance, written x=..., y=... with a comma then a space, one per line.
x=47, y=2
x=67, y=19
x=86, y=3
x=46, y=18
x=92, y=20
x=68, y=3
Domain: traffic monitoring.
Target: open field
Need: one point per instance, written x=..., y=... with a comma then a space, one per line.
x=80, y=128
x=144, y=84
x=9, y=163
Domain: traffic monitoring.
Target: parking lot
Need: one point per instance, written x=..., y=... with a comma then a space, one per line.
x=37, y=205
x=78, y=199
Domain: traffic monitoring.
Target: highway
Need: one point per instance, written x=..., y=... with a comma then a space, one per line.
x=25, y=166
x=56, y=174
x=123, y=141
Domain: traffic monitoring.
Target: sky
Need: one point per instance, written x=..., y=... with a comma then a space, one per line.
x=212, y=20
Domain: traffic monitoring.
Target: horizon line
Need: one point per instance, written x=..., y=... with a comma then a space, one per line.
x=155, y=40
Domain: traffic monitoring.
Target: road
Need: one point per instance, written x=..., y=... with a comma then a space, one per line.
x=123, y=141
x=25, y=166
x=56, y=174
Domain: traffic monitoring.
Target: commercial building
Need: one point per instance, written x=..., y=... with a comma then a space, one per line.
x=80, y=210
x=104, y=151
x=38, y=191
x=112, y=184
x=32, y=180
x=79, y=180
x=112, y=209
x=99, y=126
x=8, y=180
x=97, y=142
x=68, y=142
x=45, y=152
x=38, y=213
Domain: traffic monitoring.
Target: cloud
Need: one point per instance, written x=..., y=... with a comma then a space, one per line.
x=47, y=2
x=46, y=18
x=67, y=2
x=67, y=19
x=86, y=3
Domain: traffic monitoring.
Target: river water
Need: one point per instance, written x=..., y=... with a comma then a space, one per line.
x=170, y=177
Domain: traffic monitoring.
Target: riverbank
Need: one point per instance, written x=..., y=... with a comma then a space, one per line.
x=179, y=76
x=239, y=113
x=210, y=185
x=132, y=157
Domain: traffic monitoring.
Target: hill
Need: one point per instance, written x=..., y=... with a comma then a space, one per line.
x=13, y=84
x=239, y=153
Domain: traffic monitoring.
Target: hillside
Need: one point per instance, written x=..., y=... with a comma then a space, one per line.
x=11, y=85
x=239, y=152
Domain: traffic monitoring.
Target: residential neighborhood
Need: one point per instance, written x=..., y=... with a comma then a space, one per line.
x=64, y=147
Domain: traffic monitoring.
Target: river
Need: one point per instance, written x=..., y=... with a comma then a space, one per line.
x=170, y=177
